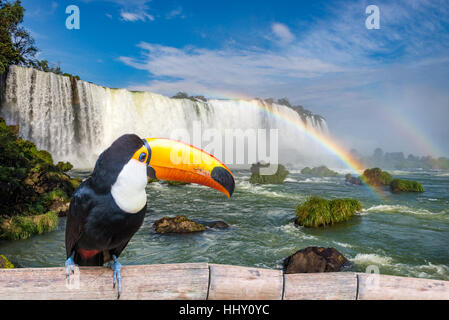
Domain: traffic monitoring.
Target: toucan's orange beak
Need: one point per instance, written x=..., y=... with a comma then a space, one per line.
x=176, y=161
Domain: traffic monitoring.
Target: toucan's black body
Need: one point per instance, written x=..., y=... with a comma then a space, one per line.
x=96, y=227
x=109, y=207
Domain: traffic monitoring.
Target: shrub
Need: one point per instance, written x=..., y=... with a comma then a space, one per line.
x=398, y=185
x=316, y=211
x=277, y=178
x=376, y=177
x=321, y=171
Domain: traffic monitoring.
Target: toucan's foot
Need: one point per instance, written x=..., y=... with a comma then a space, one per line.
x=117, y=267
x=69, y=266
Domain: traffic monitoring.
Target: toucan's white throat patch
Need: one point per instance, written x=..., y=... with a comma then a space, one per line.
x=129, y=189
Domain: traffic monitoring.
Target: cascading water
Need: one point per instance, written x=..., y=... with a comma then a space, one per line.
x=76, y=120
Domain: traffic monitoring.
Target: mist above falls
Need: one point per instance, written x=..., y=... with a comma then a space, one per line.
x=76, y=120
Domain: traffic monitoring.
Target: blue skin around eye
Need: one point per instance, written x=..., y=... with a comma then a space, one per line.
x=142, y=157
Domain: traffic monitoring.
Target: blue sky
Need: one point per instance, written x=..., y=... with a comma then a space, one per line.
x=317, y=53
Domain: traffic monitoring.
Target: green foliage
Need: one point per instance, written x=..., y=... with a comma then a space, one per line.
x=376, y=177
x=16, y=44
x=398, y=186
x=303, y=113
x=184, y=95
x=27, y=175
x=23, y=227
x=5, y=263
x=64, y=166
x=277, y=178
x=317, y=212
x=321, y=171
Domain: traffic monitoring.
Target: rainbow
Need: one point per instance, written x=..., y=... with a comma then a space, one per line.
x=323, y=140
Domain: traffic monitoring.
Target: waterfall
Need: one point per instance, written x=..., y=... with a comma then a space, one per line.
x=76, y=120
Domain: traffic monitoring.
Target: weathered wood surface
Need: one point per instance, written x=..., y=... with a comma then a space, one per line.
x=201, y=281
x=321, y=286
x=152, y=282
x=383, y=287
x=241, y=283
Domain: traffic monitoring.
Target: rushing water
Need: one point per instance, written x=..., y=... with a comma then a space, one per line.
x=76, y=120
x=405, y=234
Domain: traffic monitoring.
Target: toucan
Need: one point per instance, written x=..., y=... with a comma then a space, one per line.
x=109, y=207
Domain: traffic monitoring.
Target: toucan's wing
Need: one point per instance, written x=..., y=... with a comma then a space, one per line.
x=79, y=209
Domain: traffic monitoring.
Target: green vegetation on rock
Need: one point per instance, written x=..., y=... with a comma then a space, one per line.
x=30, y=187
x=376, y=177
x=317, y=212
x=5, y=263
x=23, y=227
x=321, y=171
x=277, y=178
x=398, y=185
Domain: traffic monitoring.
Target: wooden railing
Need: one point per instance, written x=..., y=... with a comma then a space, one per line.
x=201, y=281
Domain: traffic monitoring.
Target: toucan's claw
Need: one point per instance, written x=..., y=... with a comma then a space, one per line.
x=116, y=268
x=69, y=266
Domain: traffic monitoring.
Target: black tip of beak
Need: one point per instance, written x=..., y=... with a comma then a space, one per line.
x=223, y=177
x=151, y=173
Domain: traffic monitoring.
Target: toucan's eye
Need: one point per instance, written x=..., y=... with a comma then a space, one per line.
x=142, y=157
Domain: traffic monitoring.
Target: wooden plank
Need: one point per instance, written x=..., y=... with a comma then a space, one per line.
x=320, y=286
x=171, y=281
x=242, y=283
x=386, y=287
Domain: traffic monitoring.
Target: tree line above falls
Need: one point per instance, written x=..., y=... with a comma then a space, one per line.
x=398, y=161
x=17, y=46
x=303, y=113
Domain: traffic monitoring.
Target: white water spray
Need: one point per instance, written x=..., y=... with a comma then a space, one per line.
x=76, y=120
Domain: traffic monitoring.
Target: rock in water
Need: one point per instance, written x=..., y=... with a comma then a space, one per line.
x=218, y=225
x=315, y=259
x=178, y=224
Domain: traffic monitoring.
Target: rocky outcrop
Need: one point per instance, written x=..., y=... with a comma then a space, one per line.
x=315, y=259
x=398, y=186
x=321, y=171
x=178, y=224
x=217, y=225
x=258, y=178
x=33, y=190
x=353, y=180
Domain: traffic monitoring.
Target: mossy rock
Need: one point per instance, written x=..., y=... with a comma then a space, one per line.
x=398, y=186
x=318, y=212
x=321, y=171
x=277, y=178
x=23, y=227
x=64, y=166
x=178, y=224
x=376, y=177
x=5, y=263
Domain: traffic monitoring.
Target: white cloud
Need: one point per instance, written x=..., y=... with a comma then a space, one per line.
x=282, y=32
x=335, y=67
x=136, y=16
x=175, y=13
